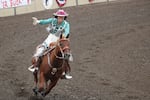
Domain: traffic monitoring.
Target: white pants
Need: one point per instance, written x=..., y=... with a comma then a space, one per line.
x=40, y=50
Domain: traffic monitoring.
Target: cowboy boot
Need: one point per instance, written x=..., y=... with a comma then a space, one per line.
x=34, y=67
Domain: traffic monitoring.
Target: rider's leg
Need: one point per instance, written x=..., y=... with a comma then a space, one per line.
x=40, y=50
x=35, y=59
x=51, y=38
x=43, y=46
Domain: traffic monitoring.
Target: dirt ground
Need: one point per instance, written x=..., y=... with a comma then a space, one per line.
x=111, y=47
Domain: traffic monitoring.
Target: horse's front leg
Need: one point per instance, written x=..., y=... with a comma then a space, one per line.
x=50, y=86
x=67, y=67
x=35, y=74
x=41, y=82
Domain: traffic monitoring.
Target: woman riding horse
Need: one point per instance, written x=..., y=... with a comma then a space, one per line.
x=53, y=64
x=57, y=25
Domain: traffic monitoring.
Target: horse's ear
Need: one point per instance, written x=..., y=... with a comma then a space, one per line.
x=68, y=36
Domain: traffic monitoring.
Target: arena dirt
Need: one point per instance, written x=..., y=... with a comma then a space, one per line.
x=110, y=43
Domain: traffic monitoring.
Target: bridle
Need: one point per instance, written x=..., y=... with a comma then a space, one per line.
x=54, y=70
x=61, y=49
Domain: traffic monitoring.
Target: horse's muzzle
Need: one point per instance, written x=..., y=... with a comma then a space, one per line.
x=66, y=56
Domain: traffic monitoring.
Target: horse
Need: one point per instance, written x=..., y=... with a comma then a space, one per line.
x=52, y=65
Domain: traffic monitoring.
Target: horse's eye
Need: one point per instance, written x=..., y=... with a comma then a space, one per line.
x=61, y=44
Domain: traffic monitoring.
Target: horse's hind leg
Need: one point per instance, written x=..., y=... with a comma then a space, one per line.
x=35, y=82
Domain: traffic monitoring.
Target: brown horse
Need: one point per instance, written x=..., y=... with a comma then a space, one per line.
x=51, y=67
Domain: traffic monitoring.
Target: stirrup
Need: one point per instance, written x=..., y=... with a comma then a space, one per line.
x=32, y=68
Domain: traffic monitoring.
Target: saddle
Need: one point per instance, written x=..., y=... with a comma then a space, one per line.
x=36, y=62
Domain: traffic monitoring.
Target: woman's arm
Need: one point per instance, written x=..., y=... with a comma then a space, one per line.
x=46, y=21
x=67, y=29
x=43, y=21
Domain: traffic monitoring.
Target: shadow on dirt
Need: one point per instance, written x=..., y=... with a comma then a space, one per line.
x=36, y=98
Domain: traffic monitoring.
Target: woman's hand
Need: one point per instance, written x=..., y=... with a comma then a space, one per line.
x=35, y=21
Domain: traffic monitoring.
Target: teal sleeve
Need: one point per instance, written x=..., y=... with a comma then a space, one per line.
x=67, y=29
x=46, y=21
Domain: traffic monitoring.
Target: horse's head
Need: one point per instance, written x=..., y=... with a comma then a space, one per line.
x=64, y=45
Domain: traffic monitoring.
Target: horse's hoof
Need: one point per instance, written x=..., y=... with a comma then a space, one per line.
x=35, y=90
x=43, y=93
